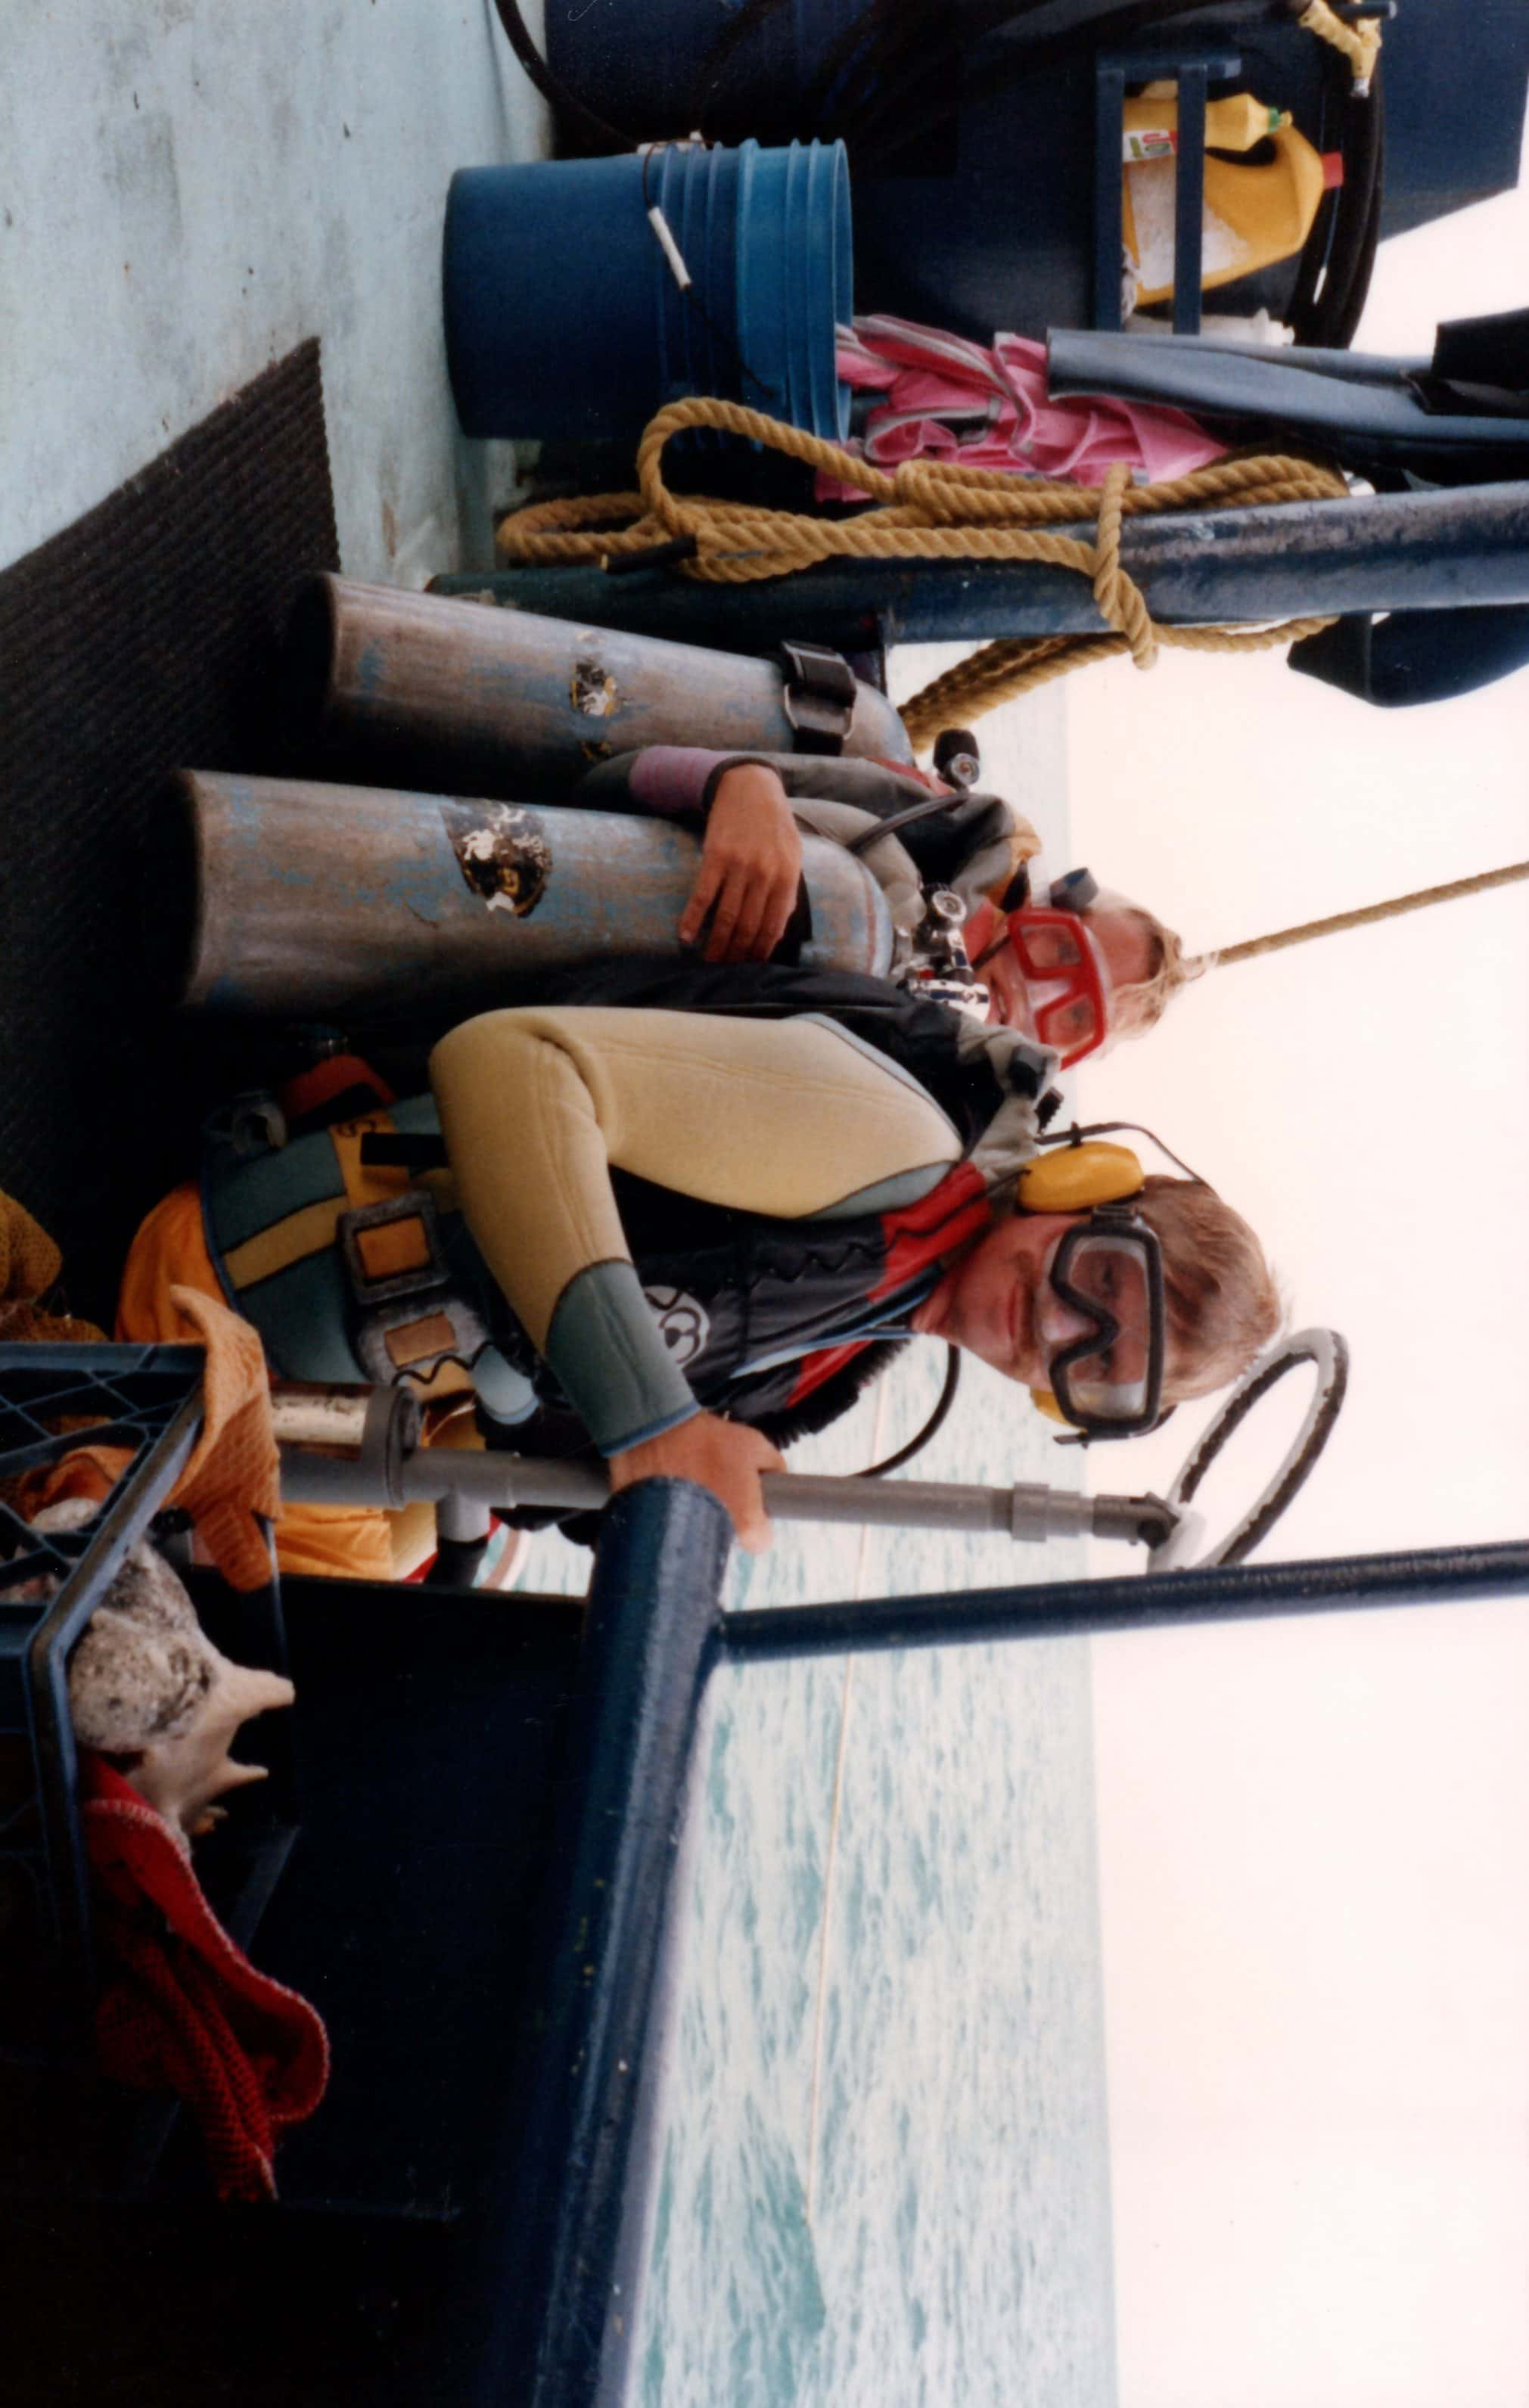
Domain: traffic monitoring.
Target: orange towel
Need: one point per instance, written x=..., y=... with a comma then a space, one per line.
x=232, y=1472
x=170, y=1295
x=29, y=1265
x=168, y=1256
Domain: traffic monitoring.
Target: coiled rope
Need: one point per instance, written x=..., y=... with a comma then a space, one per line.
x=923, y=510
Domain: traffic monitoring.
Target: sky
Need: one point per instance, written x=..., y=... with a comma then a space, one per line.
x=1312, y=1836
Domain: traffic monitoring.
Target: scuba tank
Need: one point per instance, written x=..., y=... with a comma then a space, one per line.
x=313, y=902
x=1253, y=216
x=422, y=689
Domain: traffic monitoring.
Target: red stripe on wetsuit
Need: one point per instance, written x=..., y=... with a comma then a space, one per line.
x=916, y=1236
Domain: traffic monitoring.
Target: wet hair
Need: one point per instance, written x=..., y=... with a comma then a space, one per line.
x=1222, y=1306
x=1140, y=1006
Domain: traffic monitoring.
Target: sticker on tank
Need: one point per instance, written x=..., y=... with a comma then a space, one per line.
x=593, y=690
x=502, y=854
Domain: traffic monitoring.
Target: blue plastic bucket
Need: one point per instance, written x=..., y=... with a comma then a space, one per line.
x=563, y=318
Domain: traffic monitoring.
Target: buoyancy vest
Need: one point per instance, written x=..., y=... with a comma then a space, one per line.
x=350, y=1271
x=774, y=1321
x=355, y=1272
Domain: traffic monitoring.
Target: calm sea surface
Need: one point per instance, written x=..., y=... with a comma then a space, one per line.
x=885, y=2174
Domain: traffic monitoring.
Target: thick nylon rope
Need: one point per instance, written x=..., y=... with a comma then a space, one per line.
x=1015, y=666
x=1360, y=44
x=923, y=510
x=1360, y=919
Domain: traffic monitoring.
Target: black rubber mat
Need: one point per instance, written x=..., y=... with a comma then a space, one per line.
x=140, y=640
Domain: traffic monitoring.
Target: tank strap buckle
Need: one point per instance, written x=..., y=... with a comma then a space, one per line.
x=408, y=1314
x=819, y=700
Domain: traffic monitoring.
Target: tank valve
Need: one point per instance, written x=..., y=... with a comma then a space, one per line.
x=938, y=969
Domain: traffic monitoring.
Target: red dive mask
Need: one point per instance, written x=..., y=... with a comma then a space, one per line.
x=1064, y=975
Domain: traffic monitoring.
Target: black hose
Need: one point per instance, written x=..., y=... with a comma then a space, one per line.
x=890, y=29
x=942, y=1406
x=1332, y=318
x=574, y=117
x=1317, y=253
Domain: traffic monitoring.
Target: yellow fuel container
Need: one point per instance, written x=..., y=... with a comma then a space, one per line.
x=1252, y=215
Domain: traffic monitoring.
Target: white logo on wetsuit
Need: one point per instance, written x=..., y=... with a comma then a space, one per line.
x=683, y=1324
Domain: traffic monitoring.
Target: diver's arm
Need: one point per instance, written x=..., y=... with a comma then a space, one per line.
x=725, y=1456
x=792, y=1119
x=978, y=845
x=750, y=868
x=671, y=782
x=752, y=849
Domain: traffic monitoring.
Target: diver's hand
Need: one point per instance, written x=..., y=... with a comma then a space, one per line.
x=751, y=864
x=727, y=1458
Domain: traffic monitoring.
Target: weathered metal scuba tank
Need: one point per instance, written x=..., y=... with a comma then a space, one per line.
x=355, y=903
x=419, y=688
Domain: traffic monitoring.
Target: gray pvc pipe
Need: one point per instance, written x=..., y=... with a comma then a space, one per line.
x=1026, y=1511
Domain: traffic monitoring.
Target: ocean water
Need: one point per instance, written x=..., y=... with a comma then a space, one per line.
x=885, y=2174
x=885, y=2170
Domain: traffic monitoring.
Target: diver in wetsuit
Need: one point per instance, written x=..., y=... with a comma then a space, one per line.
x=845, y=1207
x=681, y=1239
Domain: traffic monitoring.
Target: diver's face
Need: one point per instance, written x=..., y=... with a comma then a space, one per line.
x=1008, y=1000
x=1124, y=944
x=1121, y=940
x=995, y=1298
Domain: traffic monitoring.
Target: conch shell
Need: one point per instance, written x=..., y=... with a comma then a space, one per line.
x=146, y=1683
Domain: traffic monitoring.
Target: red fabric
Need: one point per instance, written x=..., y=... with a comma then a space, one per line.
x=815, y=1369
x=916, y=1236
x=181, y=2007
x=311, y=1089
x=922, y=1233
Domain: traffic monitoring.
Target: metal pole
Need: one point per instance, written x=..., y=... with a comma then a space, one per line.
x=1072, y=1608
x=1026, y=1511
x=1458, y=549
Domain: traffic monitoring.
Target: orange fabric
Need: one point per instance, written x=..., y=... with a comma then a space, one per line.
x=170, y=1252
x=232, y=1472
x=29, y=1265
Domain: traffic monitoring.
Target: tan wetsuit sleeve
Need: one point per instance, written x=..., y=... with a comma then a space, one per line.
x=790, y=1118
